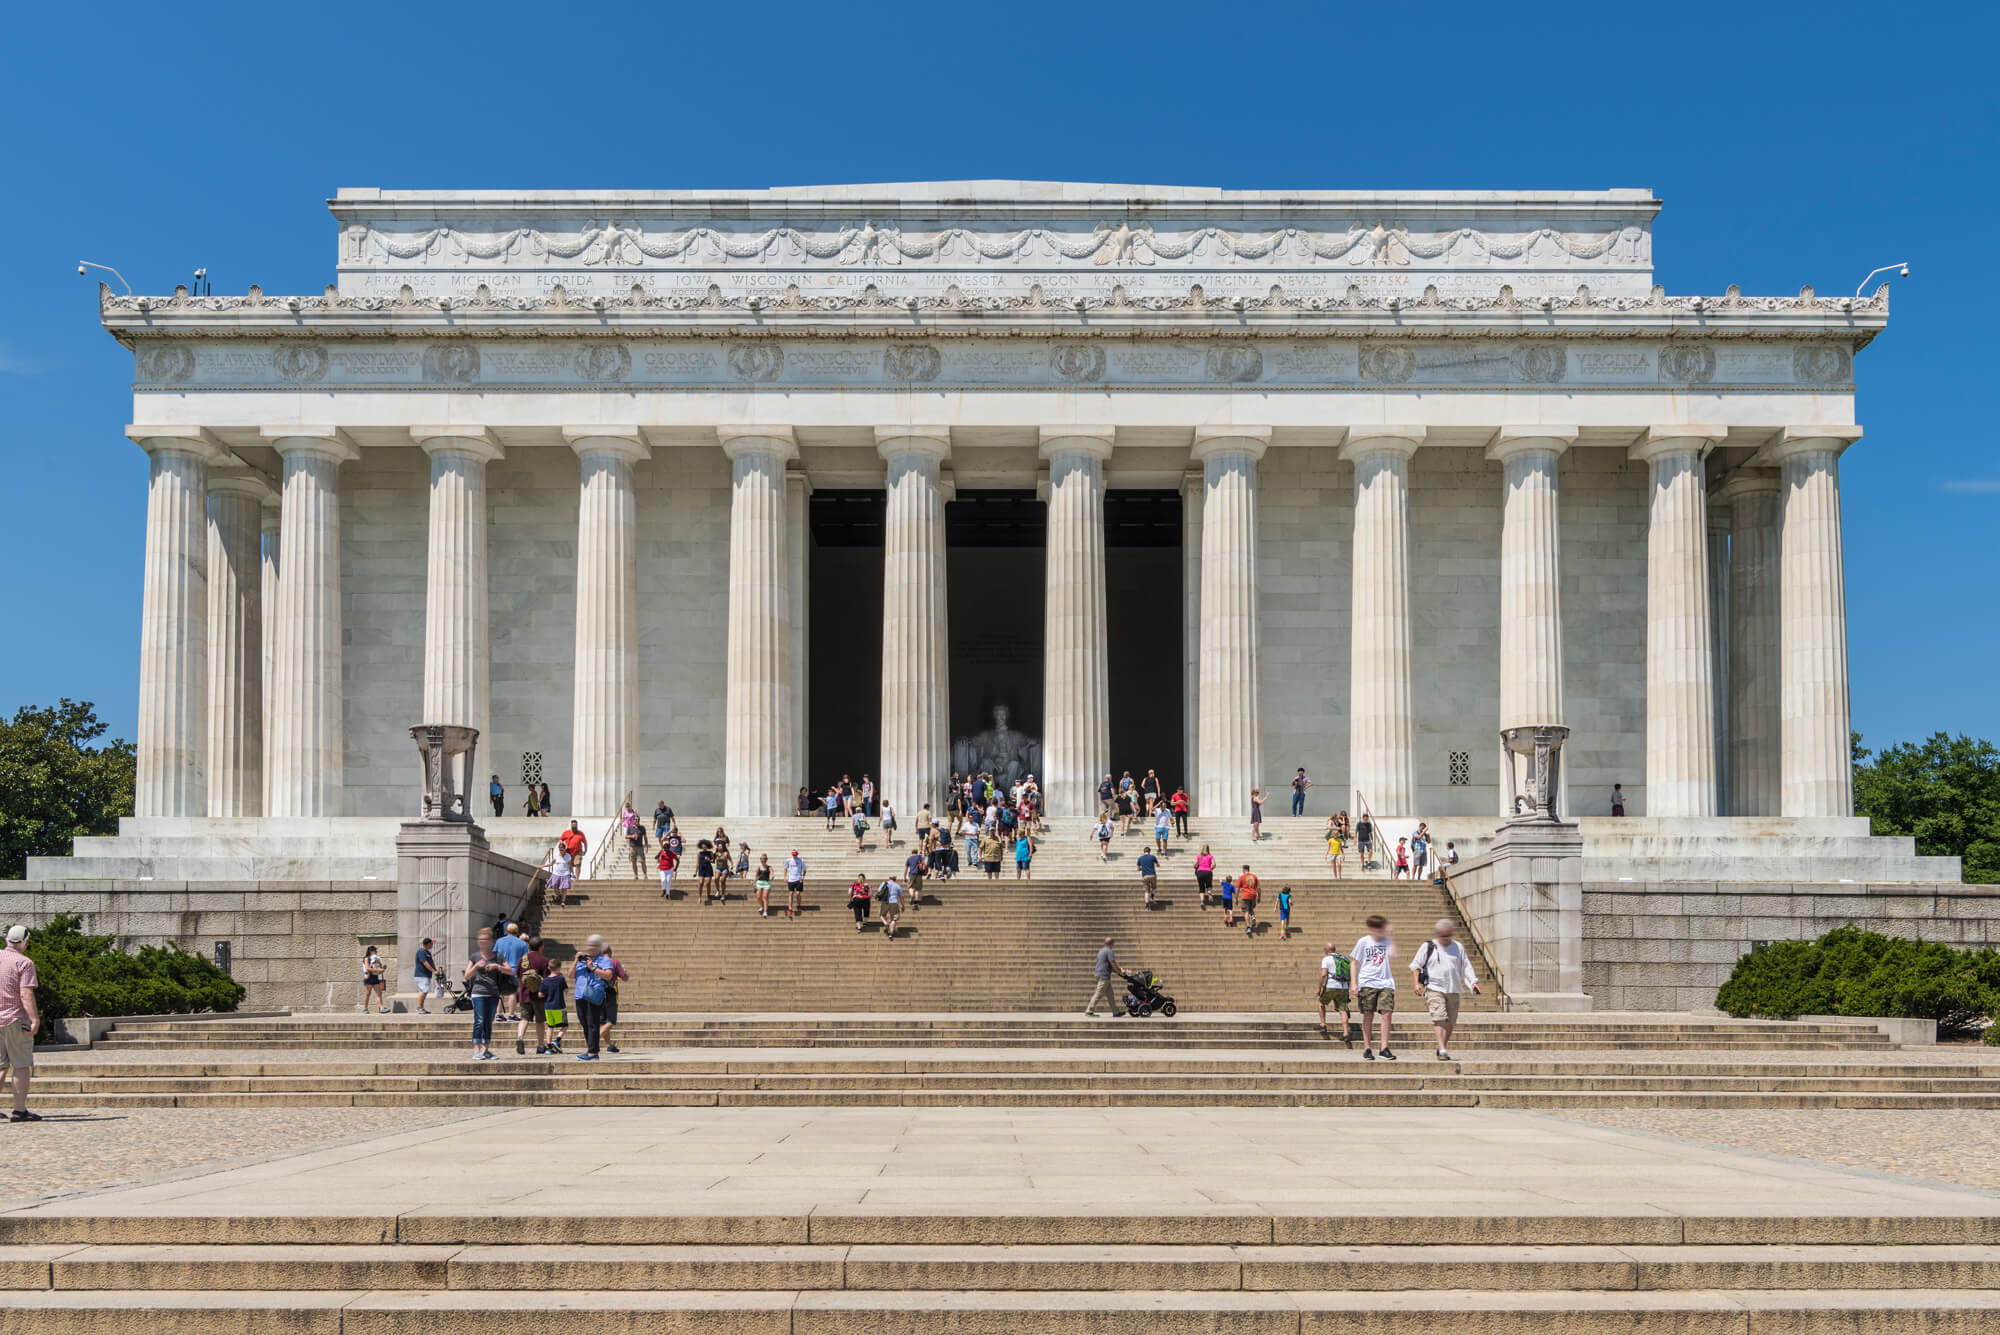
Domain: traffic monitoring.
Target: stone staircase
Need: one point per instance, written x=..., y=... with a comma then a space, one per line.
x=975, y=944
x=854, y=1272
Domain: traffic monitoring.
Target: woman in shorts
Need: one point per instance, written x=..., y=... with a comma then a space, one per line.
x=704, y=870
x=1024, y=855
x=764, y=885
x=373, y=975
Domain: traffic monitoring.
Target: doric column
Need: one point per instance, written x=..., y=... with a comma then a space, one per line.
x=307, y=763
x=798, y=552
x=604, y=741
x=1192, y=489
x=1817, y=759
x=1680, y=662
x=1382, y=745
x=1531, y=646
x=173, y=623
x=759, y=774
x=1230, y=749
x=1752, y=496
x=1076, y=679
x=458, y=670
x=1718, y=642
x=236, y=642
x=268, y=589
x=916, y=688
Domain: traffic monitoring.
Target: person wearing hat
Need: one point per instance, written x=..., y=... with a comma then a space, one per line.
x=18, y=1018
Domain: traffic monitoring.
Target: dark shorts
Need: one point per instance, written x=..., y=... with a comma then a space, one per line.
x=991, y=866
x=1205, y=879
x=608, y=1012
x=795, y=887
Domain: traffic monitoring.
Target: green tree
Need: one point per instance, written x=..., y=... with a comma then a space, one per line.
x=58, y=782
x=1945, y=792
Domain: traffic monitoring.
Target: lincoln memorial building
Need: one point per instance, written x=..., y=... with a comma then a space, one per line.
x=711, y=496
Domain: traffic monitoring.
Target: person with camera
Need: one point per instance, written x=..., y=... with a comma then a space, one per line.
x=19, y=1019
x=1443, y=972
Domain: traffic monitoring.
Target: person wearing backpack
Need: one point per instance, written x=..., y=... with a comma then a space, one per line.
x=594, y=971
x=1443, y=971
x=1336, y=981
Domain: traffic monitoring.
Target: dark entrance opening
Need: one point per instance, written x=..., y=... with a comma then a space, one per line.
x=845, y=652
x=1142, y=576
x=995, y=583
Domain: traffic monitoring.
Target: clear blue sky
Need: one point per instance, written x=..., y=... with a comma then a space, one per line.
x=1792, y=143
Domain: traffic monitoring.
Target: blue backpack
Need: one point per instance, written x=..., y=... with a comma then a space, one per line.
x=589, y=987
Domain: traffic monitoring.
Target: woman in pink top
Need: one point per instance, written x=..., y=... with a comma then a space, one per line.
x=1204, y=873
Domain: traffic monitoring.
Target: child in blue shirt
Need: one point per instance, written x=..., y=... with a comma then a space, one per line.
x=1228, y=900
x=1285, y=914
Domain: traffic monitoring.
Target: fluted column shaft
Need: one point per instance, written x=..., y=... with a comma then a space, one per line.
x=758, y=770
x=307, y=761
x=1230, y=750
x=1754, y=770
x=458, y=672
x=916, y=689
x=235, y=644
x=1817, y=746
x=1382, y=744
x=1680, y=658
x=1076, y=680
x=1718, y=643
x=173, y=626
x=1531, y=646
x=604, y=739
x=268, y=596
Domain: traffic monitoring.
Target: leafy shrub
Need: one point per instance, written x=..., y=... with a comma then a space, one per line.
x=1852, y=972
x=89, y=975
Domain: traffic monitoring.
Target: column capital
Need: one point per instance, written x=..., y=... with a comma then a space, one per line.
x=477, y=441
x=330, y=441
x=934, y=441
x=1250, y=440
x=1656, y=441
x=242, y=482
x=1095, y=441
x=624, y=441
x=196, y=440
x=1746, y=481
x=740, y=440
x=1508, y=441
x=1794, y=441
x=1365, y=440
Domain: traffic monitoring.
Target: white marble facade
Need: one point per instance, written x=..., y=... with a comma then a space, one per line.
x=1448, y=463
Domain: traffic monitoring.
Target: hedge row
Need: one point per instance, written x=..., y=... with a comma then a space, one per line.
x=1852, y=972
x=89, y=975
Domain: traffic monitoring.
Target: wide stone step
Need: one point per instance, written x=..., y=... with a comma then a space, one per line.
x=562, y=1268
x=1002, y=1312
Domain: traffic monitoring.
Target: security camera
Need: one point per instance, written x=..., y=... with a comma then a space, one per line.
x=1905, y=272
x=80, y=273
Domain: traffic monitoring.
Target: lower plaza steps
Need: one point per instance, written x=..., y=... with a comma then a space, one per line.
x=834, y=1273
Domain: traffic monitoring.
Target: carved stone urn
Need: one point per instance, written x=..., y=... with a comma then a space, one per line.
x=1534, y=771
x=447, y=751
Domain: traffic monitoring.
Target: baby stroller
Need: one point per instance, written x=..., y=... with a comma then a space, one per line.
x=451, y=995
x=1143, y=995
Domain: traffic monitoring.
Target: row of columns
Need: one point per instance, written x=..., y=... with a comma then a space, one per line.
x=235, y=631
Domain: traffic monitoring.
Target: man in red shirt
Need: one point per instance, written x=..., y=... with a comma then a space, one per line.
x=1246, y=899
x=1179, y=802
x=574, y=844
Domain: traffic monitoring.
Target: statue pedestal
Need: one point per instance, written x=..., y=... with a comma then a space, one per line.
x=1523, y=897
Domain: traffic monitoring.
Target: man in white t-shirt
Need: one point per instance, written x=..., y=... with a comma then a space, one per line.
x=1443, y=971
x=1375, y=985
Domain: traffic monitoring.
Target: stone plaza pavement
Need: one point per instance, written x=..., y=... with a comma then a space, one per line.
x=1124, y=1161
